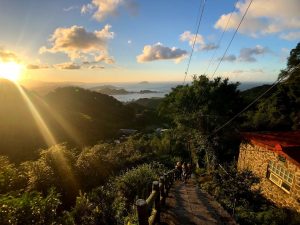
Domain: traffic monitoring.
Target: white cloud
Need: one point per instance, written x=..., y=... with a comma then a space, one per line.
x=101, y=9
x=77, y=43
x=160, y=52
x=70, y=8
x=67, y=66
x=291, y=36
x=199, y=41
x=129, y=41
x=88, y=8
x=6, y=56
x=264, y=17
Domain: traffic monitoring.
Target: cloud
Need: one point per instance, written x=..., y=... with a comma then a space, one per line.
x=77, y=42
x=104, y=58
x=291, y=36
x=160, y=52
x=101, y=9
x=229, y=58
x=88, y=8
x=247, y=54
x=67, y=66
x=37, y=66
x=7, y=56
x=70, y=8
x=129, y=42
x=264, y=17
x=96, y=67
x=199, y=41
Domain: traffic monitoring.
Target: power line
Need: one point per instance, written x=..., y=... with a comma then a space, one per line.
x=254, y=101
x=220, y=40
x=195, y=39
x=245, y=13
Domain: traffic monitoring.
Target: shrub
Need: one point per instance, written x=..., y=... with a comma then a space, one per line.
x=10, y=177
x=29, y=208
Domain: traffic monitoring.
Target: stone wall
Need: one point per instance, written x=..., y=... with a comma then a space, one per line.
x=256, y=159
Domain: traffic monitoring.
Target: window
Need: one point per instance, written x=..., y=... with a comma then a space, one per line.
x=280, y=176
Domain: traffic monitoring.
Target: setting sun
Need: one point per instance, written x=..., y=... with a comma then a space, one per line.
x=10, y=70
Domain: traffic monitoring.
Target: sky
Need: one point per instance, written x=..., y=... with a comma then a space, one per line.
x=133, y=41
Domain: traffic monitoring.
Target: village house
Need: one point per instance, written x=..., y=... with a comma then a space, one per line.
x=275, y=158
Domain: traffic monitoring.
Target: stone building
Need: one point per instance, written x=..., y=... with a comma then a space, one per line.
x=275, y=158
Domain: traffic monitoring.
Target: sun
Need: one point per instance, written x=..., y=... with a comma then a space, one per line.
x=11, y=71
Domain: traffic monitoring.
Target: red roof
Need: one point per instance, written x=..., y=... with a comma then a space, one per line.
x=284, y=143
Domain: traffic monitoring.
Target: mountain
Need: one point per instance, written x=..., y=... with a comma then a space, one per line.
x=71, y=114
x=250, y=94
x=42, y=88
x=110, y=90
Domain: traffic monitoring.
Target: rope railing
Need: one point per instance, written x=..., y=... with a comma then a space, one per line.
x=149, y=210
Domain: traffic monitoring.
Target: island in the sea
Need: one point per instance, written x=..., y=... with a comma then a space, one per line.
x=112, y=90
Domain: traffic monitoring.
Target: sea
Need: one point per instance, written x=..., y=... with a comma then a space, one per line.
x=160, y=89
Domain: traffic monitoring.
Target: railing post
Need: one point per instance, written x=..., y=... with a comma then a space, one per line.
x=142, y=210
x=167, y=183
x=155, y=187
x=162, y=190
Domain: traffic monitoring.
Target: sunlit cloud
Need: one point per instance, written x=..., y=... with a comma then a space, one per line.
x=96, y=67
x=101, y=9
x=264, y=17
x=160, y=52
x=199, y=41
x=79, y=43
x=67, y=66
x=8, y=56
x=37, y=66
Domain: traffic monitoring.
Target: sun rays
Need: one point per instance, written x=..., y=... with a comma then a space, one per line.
x=49, y=139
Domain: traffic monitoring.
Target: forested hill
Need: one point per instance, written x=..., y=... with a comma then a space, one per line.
x=250, y=94
x=74, y=115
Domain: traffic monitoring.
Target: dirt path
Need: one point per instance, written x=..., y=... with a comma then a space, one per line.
x=187, y=205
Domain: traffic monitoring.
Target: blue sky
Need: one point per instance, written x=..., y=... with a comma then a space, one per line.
x=130, y=40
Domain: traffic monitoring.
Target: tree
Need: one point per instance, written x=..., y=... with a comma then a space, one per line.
x=281, y=110
x=203, y=107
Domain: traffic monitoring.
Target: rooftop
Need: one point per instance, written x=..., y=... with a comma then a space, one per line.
x=285, y=143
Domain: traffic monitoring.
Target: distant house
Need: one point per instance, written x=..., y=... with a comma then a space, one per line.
x=275, y=158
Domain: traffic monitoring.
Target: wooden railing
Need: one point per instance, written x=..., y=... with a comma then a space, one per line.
x=149, y=210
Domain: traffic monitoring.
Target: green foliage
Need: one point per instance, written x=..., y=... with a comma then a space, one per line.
x=135, y=182
x=280, y=109
x=201, y=104
x=54, y=168
x=11, y=179
x=29, y=208
x=201, y=108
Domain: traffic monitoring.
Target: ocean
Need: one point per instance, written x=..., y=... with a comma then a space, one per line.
x=160, y=89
